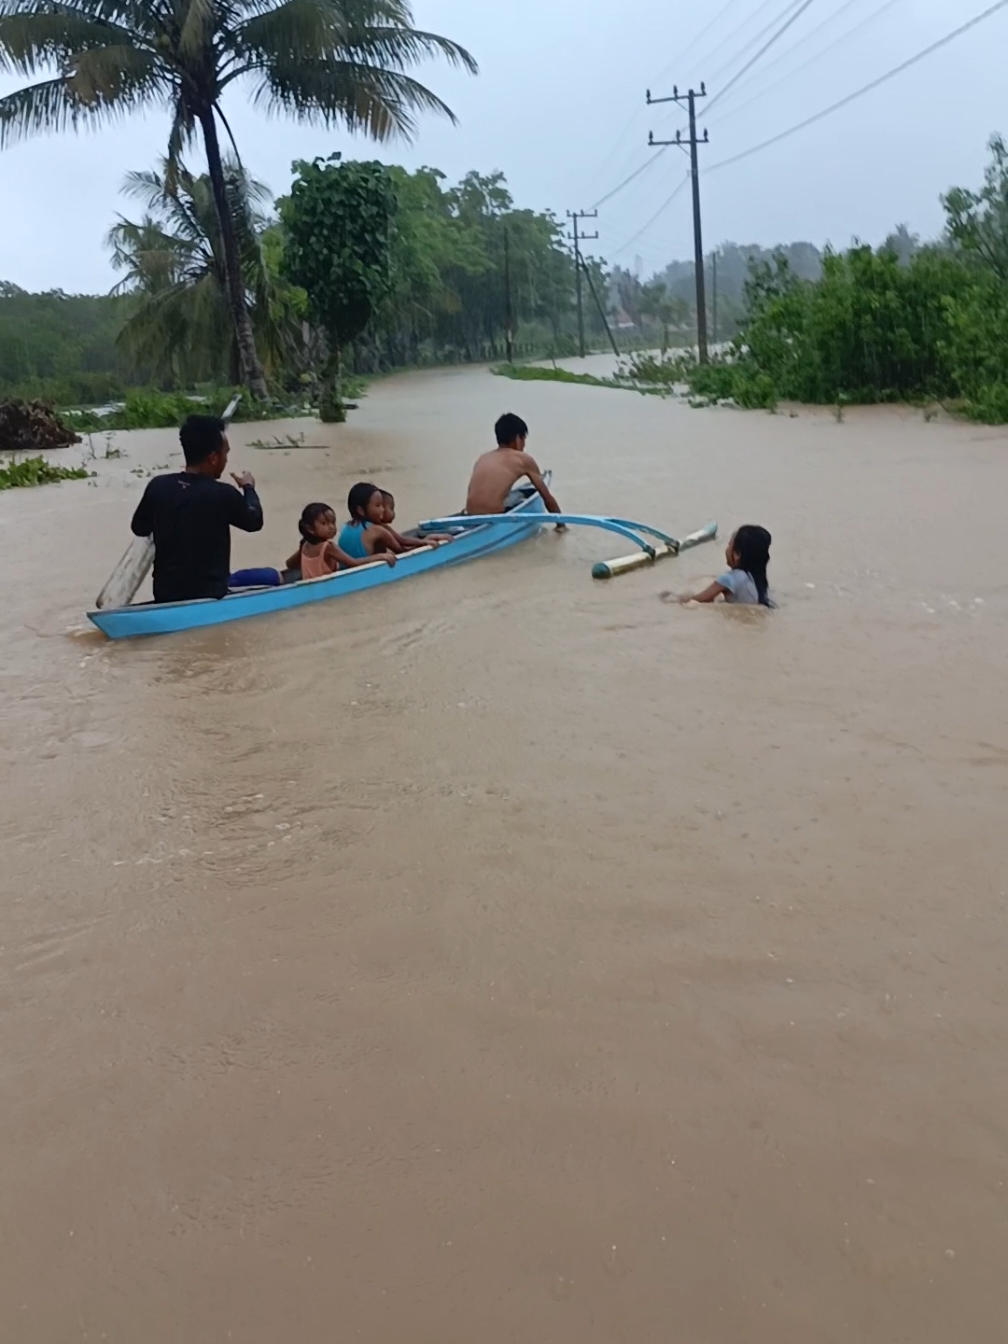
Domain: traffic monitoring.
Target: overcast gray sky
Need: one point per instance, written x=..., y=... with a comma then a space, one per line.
x=559, y=108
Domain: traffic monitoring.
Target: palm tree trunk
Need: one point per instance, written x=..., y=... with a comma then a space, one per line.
x=251, y=369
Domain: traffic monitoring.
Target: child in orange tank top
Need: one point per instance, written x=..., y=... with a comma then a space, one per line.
x=318, y=556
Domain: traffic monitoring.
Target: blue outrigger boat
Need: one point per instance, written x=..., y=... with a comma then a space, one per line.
x=470, y=543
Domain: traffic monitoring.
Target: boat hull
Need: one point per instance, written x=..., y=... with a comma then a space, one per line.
x=164, y=618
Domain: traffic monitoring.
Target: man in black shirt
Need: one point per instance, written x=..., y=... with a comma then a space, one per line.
x=191, y=513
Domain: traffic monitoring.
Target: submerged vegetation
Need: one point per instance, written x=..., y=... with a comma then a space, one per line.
x=37, y=471
x=538, y=373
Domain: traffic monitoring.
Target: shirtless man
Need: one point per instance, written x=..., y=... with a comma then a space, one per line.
x=495, y=473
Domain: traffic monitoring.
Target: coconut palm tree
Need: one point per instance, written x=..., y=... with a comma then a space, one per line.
x=173, y=261
x=337, y=62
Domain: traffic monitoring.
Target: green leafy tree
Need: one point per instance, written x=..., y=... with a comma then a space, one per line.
x=338, y=62
x=977, y=222
x=338, y=221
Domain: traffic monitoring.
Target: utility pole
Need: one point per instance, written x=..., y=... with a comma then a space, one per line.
x=601, y=310
x=698, y=255
x=714, y=305
x=508, y=322
x=578, y=239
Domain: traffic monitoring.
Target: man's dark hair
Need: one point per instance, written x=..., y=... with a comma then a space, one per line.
x=510, y=427
x=200, y=436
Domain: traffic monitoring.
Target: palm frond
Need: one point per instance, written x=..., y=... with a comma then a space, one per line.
x=122, y=76
x=400, y=47
x=139, y=19
x=198, y=25
x=341, y=30
x=382, y=103
x=182, y=134
x=34, y=41
x=46, y=106
x=149, y=256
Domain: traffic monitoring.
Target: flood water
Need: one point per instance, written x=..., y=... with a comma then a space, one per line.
x=507, y=956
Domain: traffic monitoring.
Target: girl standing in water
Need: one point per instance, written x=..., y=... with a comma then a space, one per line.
x=745, y=579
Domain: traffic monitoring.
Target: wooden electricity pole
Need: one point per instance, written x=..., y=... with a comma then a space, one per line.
x=698, y=255
x=577, y=239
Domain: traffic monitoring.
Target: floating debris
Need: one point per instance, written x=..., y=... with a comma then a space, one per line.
x=32, y=427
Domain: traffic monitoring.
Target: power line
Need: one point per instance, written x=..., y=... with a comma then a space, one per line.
x=633, y=117
x=762, y=51
x=816, y=56
x=660, y=211
x=627, y=180
x=806, y=37
x=799, y=7
x=700, y=36
x=867, y=88
x=649, y=162
x=748, y=45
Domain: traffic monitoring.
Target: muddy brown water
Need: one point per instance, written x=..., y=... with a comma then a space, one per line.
x=505, y=956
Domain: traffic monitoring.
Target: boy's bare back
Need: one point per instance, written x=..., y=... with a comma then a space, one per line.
x=493, y=478
x=496, y=472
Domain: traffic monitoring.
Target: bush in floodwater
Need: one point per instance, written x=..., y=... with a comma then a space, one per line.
x=726, y=378
x=872, y=329
x=538, y=373
x=167, y=410
x=37, y=471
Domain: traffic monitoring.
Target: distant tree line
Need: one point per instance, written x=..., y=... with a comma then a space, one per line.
x=363, y=268
x=452, y=266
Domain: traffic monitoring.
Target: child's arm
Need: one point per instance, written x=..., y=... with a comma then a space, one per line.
x=535, y=476
x=709, y=594
x=413, y=543
x=294, y=561
x=404, y=543
x=378, y=539
x=337, y=559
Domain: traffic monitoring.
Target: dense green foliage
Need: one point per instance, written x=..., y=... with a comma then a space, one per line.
x=37, y=471
x=61, y=347
x=453, y=251
x=902, y=323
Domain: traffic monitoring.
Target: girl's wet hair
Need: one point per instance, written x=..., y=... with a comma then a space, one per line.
x=357, y=499
x=752, y=546
x=310, y=515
